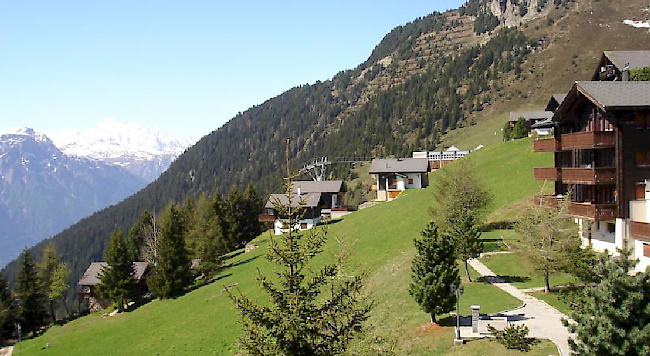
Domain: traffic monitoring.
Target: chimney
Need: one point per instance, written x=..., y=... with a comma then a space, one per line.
x=626, y=72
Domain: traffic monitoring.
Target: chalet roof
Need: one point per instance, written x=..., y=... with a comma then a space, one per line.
x=636, y=59
x=544, y=124
x=307, y=200
x=91, y=276
x=616, y=95
x=399, y=165
x=555, y=101
x=530, y=115
x=325, y=186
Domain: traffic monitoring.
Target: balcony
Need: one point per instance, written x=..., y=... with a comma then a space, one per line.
x=588, y=140
x=546, y=145
x=266, y=218
x=550, y=173
x=597, y=212
x=640, y=230
x=588, y=175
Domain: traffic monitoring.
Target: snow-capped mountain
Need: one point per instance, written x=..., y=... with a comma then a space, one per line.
x=43, y=190
x=143, y=151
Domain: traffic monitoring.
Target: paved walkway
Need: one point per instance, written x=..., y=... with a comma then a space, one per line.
x=543, y=320
x=6, y=351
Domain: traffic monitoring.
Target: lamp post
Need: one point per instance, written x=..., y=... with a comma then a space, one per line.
x=457, y=290
x=20, y=329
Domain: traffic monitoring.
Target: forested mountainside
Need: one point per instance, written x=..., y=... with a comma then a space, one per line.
x=423, y=82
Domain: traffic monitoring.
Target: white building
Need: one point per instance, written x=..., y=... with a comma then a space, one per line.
x=394, y=175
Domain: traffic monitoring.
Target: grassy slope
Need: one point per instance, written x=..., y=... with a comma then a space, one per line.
x=380, y=242
x=574, y=44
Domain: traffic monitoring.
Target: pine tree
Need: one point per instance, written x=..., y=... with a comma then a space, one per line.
x=461, y=206
x=298, y=319
x=29, y=291
x=7, y=310
x=614, y=318
x=434, y=271
x=204, y=238
x=53, y=277
x=118, y=276
x=171, y=270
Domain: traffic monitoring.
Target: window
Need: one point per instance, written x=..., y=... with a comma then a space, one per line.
x=303, y=226
x=611, y=228
x=640, y=191
x=646, y=250
x=410, y=180
x=641, y=158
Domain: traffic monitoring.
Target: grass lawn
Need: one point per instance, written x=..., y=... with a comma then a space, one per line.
x=554, y=299
x=379, y=243
x=521, y=273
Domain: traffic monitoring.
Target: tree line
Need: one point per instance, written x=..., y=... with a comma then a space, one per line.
x=204, y=228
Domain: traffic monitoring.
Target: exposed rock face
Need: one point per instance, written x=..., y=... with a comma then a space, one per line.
x=523, y=11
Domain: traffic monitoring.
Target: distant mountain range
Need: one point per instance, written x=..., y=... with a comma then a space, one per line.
x=45, y=189
x=143, y=151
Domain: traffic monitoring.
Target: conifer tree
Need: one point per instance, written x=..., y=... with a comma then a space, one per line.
x=614, y=318
x=308, y=312
x=171, y=270
x=434, y=271
x=461, y=205
x=7, y=310
x=29, y=291
x=118, y=276
x=204, y=238
x=53, y=275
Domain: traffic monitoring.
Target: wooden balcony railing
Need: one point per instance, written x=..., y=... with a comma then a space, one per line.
x=266, y=218
x=547, y=173
x=598, y=212
x=640, y=230
x=588, y=140
x=546, y=145
x=588, y=175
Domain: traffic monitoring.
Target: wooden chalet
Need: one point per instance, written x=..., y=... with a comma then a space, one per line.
x=615, y=65
x=309, y=215
x=394, y=175
x=532, y=117
x=90, y=280
x=602, y=156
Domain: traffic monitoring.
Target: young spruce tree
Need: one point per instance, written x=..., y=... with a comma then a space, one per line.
x=614, y=318
x=171, y=270
x=7, y=310
x=29, y=290
x=53, y=275
x=460, y=213
x=118, y=277
x=308, y=312
x=434, y=271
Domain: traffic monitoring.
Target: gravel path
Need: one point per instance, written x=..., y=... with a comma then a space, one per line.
x=543, y=320
x=6, y=351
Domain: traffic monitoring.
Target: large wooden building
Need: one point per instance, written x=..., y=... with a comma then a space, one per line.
x=602, y=158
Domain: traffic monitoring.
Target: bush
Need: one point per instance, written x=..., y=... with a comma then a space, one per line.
x=514, y=337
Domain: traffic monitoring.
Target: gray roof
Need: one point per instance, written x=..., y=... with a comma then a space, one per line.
x=530, y=115
x=91, y=276
x=636, y=59
x=399, y=165
x=619, y=95
x=544, y=124
x=307, y=200
x=325, y=186
x=555, y=101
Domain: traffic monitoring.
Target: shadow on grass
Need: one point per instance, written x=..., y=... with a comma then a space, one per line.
x=503, y=279
x=330, y=222
x=498, y=225
x=239, y=263
x=451, y=321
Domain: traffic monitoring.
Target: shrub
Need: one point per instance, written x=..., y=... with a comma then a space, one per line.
x=514, y=337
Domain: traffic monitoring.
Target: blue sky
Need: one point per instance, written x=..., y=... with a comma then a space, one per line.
x=185, y=67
